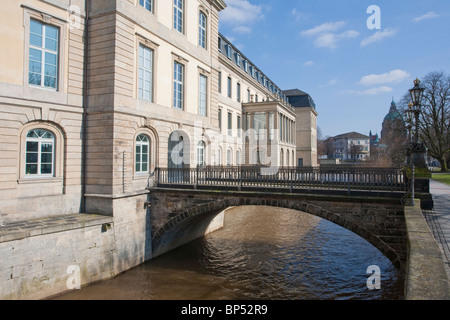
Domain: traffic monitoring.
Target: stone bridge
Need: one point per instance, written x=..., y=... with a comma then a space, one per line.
x=179, y=215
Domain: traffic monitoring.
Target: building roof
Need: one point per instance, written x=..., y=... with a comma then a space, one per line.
x=299, y=99
x=393, y=114
x=351, y=135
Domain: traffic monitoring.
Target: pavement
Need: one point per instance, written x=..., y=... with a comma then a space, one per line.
x=438, y=219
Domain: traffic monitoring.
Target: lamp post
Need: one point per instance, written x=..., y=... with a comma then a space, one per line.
x=414, y=113
x=409, y=117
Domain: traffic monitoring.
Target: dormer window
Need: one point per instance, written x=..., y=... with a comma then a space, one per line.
x=238, y=59
x=246, y=66
x=228, y=49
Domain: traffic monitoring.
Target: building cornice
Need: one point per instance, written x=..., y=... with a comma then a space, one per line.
x=219, y=5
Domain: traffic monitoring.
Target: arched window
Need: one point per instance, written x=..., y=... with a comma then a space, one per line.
x=229, y=157
x=238, y=157
x=40, y=153
x=142, y=153
x=201, y=147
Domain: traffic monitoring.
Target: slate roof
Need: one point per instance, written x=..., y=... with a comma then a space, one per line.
x=299, y=99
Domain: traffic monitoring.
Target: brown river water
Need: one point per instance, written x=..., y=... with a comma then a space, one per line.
x=261, y=253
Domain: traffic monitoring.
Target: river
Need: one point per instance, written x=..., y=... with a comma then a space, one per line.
x=261, y=253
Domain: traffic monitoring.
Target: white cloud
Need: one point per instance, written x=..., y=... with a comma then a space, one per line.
x=330, y=40
x=393, y=76
x=242, y=29
x=308, y=63
x=372, y=91
x=326, y=35
x=429, y=15
x=378, y=36
x=241, y=12
x=324, y=28
x=329, y=83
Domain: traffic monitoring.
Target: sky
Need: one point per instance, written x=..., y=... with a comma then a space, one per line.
x=351, y=57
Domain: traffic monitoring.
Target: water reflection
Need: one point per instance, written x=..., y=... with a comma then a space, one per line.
x=262, y=253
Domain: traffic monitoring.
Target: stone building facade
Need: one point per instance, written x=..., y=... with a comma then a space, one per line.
x=94, y=95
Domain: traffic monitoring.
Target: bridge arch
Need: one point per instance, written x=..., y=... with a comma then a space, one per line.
x=199, y=216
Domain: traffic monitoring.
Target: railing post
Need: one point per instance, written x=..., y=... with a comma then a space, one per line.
x=240, y=178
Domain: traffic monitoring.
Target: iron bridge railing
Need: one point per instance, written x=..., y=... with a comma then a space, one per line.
x=342, y=178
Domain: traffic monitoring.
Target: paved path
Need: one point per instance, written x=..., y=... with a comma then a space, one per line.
x=439, y=218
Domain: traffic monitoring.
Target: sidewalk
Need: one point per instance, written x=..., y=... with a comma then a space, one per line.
x=438, y=219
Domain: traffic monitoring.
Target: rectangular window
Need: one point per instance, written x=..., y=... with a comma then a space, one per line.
x=178, y=15
x=202, y=95
x=178, y=85
x=230, y=127
x=238, y=94
x=248, y=95
x=147, y=4
x=44, y=55
x=220, y=120
x=220, y=82
x=229, y=87
x=145, y=81
x=246, y=65
x=202, y=30
x=239, y=126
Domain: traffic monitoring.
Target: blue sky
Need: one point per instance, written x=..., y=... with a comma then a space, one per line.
x=325, y=48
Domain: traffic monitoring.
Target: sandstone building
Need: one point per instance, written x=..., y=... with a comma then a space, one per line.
x=94, y=95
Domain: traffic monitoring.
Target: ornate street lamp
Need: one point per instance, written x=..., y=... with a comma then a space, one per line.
x=413, y=113
x=416, y=97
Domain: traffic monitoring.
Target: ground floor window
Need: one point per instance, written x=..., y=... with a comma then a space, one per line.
x=40, y=153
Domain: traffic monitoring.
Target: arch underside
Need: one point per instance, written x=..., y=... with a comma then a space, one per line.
x=177, y=226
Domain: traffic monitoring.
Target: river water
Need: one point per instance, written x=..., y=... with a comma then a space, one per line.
x=261, y=253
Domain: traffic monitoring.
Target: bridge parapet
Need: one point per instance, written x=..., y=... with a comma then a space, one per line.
x=291, y=178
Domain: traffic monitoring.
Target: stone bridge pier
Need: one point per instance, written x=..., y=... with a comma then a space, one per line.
x=181, y=215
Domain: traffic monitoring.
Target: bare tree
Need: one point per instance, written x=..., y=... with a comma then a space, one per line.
x=434, y=122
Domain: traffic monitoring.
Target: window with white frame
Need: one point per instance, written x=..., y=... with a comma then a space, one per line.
x=178, y=85
x=43, y=55
x=246, y=65
x=178, y=7
x=202, y=30
x=238, y=59
x=145, y=80
x=142, y=154
x=147, y=4
x=230, y=124
x=40, y=153
x=228, y=49
x=203, y=80
x=229, y=157
x=201, y=147
x=238, y=92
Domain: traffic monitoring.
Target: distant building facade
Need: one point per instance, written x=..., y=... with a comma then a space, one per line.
x=306, y=128
x=352, y=146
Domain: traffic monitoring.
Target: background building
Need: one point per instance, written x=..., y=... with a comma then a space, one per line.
x=306, y=127
x=352, y=146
